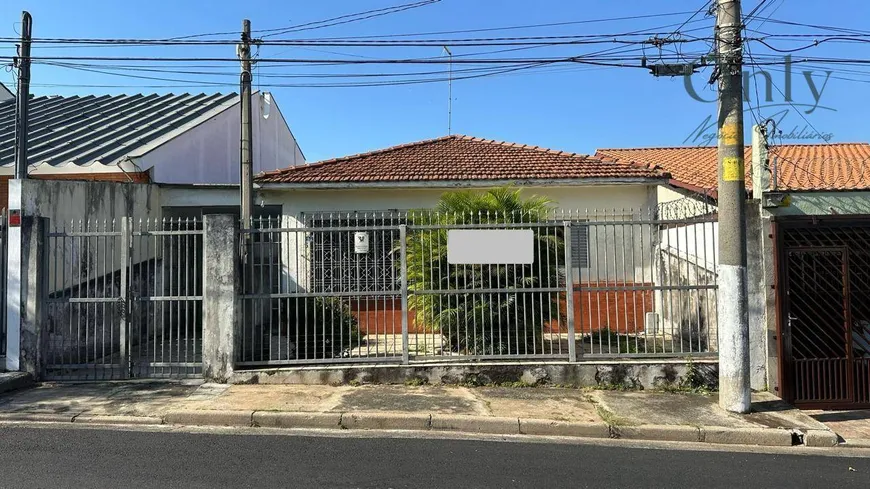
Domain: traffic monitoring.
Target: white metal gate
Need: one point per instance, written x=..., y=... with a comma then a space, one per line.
x=124, y=299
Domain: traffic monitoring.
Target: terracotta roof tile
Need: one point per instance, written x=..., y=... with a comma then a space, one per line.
x=459, y=158
x=839, y=166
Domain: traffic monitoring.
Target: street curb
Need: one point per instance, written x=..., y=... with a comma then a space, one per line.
x=13, y=381
x=771, y=437
x=820, y=438
x=39, y=417
x=543, y=427
x=108, y=419
x=277, y=419
x=658, y=432
x=455, y=423
x=476, y=424
x=210, y=418
x=385, y=421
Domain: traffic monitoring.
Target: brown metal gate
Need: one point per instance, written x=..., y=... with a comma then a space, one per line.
x=824, y=311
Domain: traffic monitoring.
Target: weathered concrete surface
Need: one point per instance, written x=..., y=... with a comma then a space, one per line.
x=657, y=432
x=388, y=398
x=476, y=424
x=820, y=438
x=201, y=417
x=756, y=295
x=544, y=427
x=220, y=307
x=852, y=426
x=117, y=419
x=385, y=421
x=747, y=436
x=553, y=404
x=272, y=419
x=13, y=381
x=546, y=411
x=297, y=398
x=772, y=412
x=33, y=246
x=129, y=399
x=638, y=374
x=660, y=408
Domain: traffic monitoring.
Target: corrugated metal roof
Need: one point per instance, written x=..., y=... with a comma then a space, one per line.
x=100, y=128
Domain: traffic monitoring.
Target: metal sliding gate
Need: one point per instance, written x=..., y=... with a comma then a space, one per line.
x=824, y=311
x=123, y=299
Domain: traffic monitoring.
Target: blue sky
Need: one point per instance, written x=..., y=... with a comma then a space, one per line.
x=572, y=108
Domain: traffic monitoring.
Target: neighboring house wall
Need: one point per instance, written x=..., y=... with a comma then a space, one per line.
x=210, y=152
x=118, y=176
x=205, y=196
x=70, y=205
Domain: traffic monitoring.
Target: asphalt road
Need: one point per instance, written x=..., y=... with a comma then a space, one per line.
x=43, y=457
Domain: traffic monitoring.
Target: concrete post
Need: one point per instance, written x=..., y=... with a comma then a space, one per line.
x=220, y=301
x=734, y=390
x=757, y=297
x=31, y=345
x=768, y=251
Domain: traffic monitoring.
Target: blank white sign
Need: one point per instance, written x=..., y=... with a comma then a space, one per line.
x=490, y=246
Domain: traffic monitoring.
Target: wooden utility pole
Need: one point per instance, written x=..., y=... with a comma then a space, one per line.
x=22, y=101
x=733, y=320
x=246, y=181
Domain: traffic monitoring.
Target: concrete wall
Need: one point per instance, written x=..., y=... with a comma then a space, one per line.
x=823, y=204
x=209, y=153
x=71, y=205
x=204, y=196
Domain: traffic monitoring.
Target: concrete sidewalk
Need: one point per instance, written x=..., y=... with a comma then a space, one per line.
x=495, y=410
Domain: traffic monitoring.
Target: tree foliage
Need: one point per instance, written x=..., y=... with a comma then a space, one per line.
x=509, y=321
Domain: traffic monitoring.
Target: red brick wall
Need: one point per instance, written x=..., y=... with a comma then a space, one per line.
x=620, y=311
x=593, y=310
x=135, y=177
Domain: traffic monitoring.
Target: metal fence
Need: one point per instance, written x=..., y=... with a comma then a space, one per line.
x=378, y=287
x=124, y=299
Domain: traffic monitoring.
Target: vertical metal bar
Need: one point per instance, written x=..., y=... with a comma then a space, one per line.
x=124, y=295
x=634, y=293
x=569, y=293
x=403, y=249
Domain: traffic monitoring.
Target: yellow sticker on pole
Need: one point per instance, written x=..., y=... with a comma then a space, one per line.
x=729, y=134
x=732, y=169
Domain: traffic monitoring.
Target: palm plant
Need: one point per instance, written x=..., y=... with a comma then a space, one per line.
x=503, y=322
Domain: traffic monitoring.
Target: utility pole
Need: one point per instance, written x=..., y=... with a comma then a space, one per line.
x=449, y=92
x=733, y=320
x=246, y=182
x=23, y=101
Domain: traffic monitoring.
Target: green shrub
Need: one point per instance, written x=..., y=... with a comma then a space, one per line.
x=509, y=322
x=324, y=326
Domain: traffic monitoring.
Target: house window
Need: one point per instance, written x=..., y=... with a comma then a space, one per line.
x=338, y=265
x=579, y=244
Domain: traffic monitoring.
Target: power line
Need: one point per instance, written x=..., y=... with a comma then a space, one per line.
x=527, y=26
x=325, y=21
x=491, y=41
x=348, y=18
x=570, y=59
